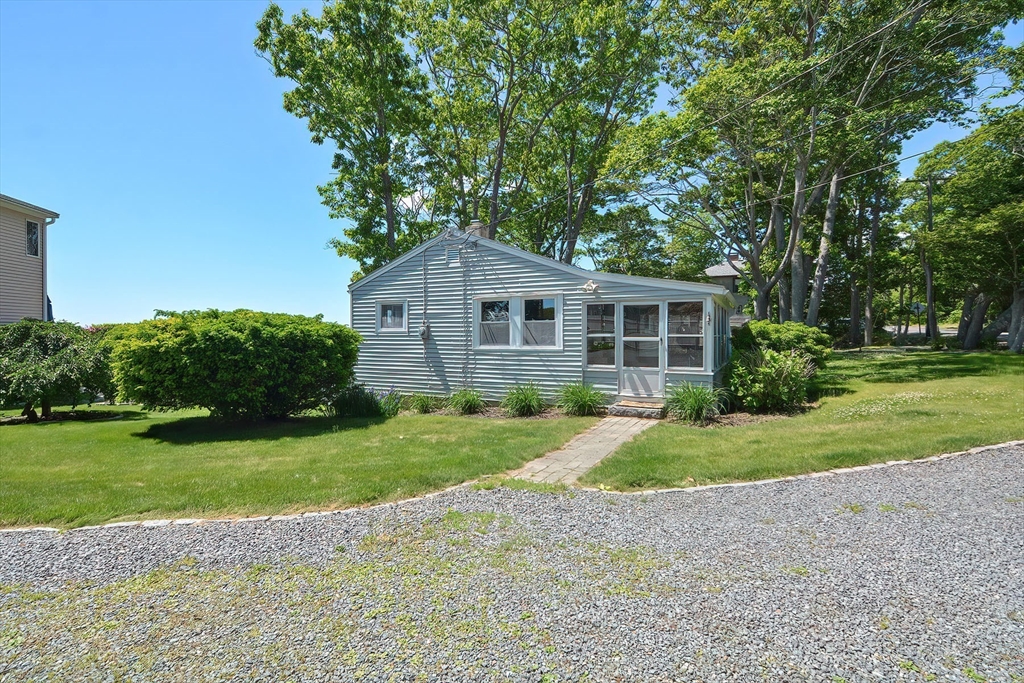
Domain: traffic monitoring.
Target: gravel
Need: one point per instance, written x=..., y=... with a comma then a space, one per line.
x=906, y=573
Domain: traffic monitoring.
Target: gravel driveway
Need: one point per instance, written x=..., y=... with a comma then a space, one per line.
x=908, y=573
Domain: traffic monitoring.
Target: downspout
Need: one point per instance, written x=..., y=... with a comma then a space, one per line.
x=47, y=222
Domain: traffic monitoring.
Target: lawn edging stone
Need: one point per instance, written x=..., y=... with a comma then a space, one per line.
x=191, y=521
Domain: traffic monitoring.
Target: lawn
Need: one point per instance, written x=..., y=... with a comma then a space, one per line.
x=878, y=406
x=159, y=465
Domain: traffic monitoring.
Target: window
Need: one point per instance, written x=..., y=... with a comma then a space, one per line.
x=539, y=324
x=392, y=317
x=32, y=238
x=495, y=323
x=600, y=334
x=686, y=334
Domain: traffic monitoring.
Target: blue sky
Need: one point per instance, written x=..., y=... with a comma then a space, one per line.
x=158, y=134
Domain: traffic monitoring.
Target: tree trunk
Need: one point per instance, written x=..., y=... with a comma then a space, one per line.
x=965, y=316
x=869, y=300
x=977, y=321
x=761, y=304
x=929, y=290
x=999, y=325
x=798, y=292
x=46, y=413
x=1016, y=338
x=824, y=246
x=780, y=251
x=899, y=314
x=854, y=333
x=28, y=412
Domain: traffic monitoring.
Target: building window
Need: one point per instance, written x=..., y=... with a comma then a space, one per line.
x=392, y=317
x=495, y=324
x=32, y=238
x=539, y=324
x=686, y=334
x=600, y=334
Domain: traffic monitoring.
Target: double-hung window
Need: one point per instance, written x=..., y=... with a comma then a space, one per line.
x=601, y=334
x=391, y=317
x=495, y=323
x=32, y=238
x=686, y=334
x=539, y=324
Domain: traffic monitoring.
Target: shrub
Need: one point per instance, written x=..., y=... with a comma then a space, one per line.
x=357, y=401
x=580, y=399
x=238, y=364
x=465, y=402
x=48, y=363
x=695, y=403
x=421, y=403
x=764, y=380
x=523, y=401
x=784, y=337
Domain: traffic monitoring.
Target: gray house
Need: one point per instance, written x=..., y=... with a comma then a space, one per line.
x=461, y=310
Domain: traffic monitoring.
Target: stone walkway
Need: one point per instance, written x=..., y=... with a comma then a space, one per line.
x=584, y=451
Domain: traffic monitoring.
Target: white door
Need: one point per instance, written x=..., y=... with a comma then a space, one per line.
x=641, y=350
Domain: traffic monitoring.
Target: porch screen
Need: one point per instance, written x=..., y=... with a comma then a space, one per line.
x=600, y=334
x=686, y=334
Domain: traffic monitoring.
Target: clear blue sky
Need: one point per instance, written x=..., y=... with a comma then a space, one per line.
x=158, y=135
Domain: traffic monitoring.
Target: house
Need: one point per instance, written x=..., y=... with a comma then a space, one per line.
x=727, y=274
x=461, y=310
x=23, y=260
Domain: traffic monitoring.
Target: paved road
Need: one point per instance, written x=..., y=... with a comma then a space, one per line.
x=896, y=574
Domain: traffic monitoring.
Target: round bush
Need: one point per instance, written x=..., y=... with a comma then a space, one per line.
x=764, y=380
x=784, y=337
x=238, y=364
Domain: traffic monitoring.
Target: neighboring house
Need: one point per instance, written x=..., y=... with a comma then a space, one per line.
x=461, y=310
x=23, y=260
x=727, y=274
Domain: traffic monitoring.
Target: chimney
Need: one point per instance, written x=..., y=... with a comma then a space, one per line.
x=477, y=228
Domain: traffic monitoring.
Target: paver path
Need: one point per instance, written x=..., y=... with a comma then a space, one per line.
x=584, y=451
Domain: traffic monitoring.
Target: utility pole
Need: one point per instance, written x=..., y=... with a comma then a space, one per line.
x=932, y=321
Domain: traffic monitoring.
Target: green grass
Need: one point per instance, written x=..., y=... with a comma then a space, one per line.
x=153, y=465
x=877, y=406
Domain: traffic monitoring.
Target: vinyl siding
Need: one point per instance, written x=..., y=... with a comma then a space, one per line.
x=448, y=360
x=21, y=275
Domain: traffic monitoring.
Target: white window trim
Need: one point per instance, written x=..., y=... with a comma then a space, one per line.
x=702, y=335
x=39, y=239
x=404, y=303
x=614, y=334
x=516, y=320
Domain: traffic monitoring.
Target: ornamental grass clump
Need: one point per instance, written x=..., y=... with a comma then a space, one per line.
x=770, y=381
x=523, y=400
x=358, y=401
x=465, y=402
x=579, y=398
x=423, y=404
x=698, y=404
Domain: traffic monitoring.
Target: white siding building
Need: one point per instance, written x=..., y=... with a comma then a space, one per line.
x=23, y=239
x=461, y=310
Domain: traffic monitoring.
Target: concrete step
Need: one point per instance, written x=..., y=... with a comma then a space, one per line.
x=644, y=409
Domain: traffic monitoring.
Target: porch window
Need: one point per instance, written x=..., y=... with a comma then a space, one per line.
x=495, y=325
x=686, y=334
x=392, y=317
x=539, y=324
x=601, y=334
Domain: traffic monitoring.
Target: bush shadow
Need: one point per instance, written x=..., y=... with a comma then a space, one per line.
x=193, y=430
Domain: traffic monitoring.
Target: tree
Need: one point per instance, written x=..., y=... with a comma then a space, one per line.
x=628, y=241
x=48, y=363
x=357, y=86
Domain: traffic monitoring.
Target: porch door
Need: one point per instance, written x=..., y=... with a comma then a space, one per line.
x=641, y=350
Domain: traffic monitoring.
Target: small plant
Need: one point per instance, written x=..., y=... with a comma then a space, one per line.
x=358, y=401
x=465, y=402
x=523, y=400
x=579, y=398
x=421, y=403
x=763, y=380
x=696, y=403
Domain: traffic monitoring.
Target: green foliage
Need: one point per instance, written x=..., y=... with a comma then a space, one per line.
x=239, y=364
x=764, y=380
x=356, y=400
x=523, y=400
x=695, y=403
x=465, y=402
x=787, y=336
x=579, y=398
x=422, y=403
x=50, y=362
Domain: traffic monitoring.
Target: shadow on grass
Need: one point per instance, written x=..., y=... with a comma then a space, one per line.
x=66, y=416
x=193, y=430
x=922, y=366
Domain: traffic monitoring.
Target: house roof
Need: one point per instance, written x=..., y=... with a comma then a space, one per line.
x=28, y=208
x=725, y=269
x=453, y=233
